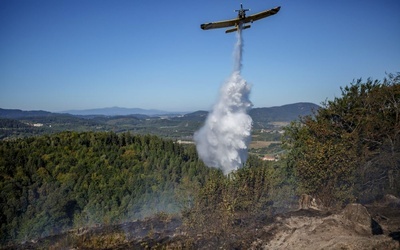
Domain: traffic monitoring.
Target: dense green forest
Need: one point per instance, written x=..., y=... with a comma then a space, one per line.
x=51, y=183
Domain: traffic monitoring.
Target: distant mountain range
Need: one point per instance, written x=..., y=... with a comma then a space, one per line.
x=285, y=113
x=17, y=113
x=113, y=111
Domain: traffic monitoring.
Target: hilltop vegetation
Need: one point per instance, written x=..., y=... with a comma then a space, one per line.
x=350, y=149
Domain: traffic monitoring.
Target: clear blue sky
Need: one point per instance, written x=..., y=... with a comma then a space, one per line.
x=79, y=54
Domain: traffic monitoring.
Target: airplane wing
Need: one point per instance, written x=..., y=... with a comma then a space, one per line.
x=221, y=24
x=262, y=14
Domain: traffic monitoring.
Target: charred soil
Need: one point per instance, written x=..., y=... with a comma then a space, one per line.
x=373, y=226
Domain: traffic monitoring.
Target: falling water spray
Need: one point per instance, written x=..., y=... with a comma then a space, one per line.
x=223, y=140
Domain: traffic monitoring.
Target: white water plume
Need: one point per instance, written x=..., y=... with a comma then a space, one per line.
x=223, y=140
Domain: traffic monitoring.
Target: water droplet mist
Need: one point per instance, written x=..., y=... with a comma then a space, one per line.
x=223, y=140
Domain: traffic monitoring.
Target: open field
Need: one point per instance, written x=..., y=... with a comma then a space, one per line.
x=262, y=144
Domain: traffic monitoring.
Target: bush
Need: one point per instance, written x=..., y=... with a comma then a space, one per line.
x=349, y=150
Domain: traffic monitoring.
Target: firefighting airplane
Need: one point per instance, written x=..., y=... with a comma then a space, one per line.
x=240, y=20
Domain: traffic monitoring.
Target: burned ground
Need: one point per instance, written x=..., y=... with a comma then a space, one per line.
x=373, y=226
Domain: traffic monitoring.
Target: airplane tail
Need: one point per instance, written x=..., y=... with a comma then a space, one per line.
x=241, y=8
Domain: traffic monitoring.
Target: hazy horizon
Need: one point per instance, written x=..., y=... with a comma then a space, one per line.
x=145, y=109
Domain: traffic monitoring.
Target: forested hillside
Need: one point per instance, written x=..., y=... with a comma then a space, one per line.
x=262, y=117
x=52, y=183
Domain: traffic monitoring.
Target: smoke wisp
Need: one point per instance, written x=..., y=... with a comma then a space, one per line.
x=223, y=140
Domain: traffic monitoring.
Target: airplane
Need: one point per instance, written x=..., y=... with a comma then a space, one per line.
x=240, y=20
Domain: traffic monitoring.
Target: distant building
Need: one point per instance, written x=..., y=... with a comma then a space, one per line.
x=184, y=142
x=269, y=158
x=38, y=124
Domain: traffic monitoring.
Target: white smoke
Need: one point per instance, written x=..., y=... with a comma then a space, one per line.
x=223, y=140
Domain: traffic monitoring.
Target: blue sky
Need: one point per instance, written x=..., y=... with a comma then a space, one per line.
x=79, y=54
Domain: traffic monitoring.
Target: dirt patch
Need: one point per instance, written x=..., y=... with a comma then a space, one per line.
x=353, y=228
x=262, y=144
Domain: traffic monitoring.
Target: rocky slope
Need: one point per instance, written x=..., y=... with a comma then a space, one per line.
x=352, y=228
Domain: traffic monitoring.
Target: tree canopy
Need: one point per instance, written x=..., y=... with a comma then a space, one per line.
x=51, y=183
